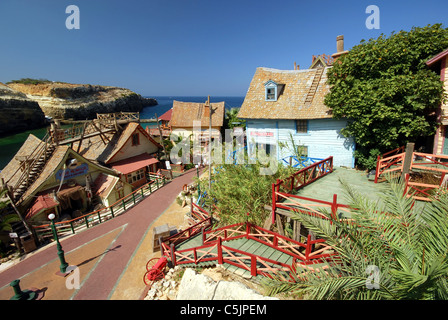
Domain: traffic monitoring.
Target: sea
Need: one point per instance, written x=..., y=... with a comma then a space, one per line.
x=10, y=144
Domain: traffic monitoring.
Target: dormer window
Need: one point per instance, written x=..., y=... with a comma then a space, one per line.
x=271, y=88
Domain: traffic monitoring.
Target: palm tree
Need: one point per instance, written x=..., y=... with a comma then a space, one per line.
x=231, y=119
x=406, y=244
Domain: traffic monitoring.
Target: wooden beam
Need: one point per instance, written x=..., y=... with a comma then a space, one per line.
x=409, y=153
x=82, y=136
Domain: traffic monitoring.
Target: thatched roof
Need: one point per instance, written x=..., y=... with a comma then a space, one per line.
x=184, y=113
x=296, y=87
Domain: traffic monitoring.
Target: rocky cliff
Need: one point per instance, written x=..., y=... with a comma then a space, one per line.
x=18, y=112
x=81, y=101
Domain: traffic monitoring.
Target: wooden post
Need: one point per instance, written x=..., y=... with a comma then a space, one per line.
x=334, y=207
x=406, y=185
x=279, y=225
x=253, y=266
x=220, y=258
x=407, y=159
x=161, y=137
x=173, y=255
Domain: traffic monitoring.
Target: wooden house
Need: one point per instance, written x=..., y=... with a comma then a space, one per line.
x=165, y=127
x=184, y=114
x=64, y=185
x=439, y=63
x=132, y=152
x=284, y=104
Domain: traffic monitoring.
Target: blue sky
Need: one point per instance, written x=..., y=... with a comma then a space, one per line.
x=187, y=47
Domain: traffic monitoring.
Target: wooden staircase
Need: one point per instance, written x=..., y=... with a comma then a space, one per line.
x=32, y=166
x=313, y=88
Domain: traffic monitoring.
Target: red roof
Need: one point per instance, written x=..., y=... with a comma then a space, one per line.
x=41, y=203
x=134, y=163
x=166, y=116
x=437, y=57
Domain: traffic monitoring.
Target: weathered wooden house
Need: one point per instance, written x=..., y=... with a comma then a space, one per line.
x=184, y=115
x=281, y=104
x=132, y=152
x=61, y=181
x=439, y=63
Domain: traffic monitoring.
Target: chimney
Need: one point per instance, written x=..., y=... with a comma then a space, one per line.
x=340, y=43
x=339, y=47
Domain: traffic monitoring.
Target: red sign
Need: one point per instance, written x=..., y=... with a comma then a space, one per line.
x=262, y=134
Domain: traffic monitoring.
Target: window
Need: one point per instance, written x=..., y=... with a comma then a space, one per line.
x=135, y=139
x=136, y=176
x=271, y=90
x=301, y=126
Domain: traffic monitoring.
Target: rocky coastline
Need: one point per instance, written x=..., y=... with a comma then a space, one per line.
x=25, y=106
x=18, y=112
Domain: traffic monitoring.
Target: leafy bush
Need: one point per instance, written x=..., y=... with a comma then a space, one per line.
x=386, y=91
x=29, y=81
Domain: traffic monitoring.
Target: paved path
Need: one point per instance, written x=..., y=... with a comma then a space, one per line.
x=102, y=252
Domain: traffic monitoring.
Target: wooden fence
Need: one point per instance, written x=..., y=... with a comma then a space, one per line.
x=213, y=249
x=88, y=220
x=300, y=179
x=423, y=162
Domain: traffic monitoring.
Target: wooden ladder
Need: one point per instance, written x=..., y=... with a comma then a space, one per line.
x=314, y=85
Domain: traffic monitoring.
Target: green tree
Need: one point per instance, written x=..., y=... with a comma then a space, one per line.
x=385, y=90
x=408, y=244
x=231, y=119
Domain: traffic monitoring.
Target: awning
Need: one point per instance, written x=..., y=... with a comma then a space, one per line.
x=134, y=163
x=41, y=203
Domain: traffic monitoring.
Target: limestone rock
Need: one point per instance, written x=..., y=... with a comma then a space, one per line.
x=17, y=112
x=201, y=287
x=81, y=101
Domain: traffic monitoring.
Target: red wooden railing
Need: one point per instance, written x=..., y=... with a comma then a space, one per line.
x=389, y=164
x=300, y=179
x=213, y=249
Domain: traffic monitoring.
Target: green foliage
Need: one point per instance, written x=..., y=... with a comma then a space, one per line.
x=231, y=117
x=238, y=189
x=385, y=90
x=408, y=244
x=29, y=81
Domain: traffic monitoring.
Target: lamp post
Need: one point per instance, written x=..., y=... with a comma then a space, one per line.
x=210, y=110
x=199, y=187
x=64, y=264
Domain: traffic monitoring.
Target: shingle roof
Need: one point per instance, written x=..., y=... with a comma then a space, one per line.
x=184, y=113
x=298, y=98
x=95, y=149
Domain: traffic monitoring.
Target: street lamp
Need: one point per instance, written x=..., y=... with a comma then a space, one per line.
x=64, y=264
x=209, y=111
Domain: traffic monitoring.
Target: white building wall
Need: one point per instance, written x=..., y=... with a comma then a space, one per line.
x=323, y=138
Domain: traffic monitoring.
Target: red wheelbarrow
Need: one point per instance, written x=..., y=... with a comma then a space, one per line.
x=155, y=270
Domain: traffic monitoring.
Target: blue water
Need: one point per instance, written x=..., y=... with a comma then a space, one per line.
x=10, y=144
x=166, y=103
